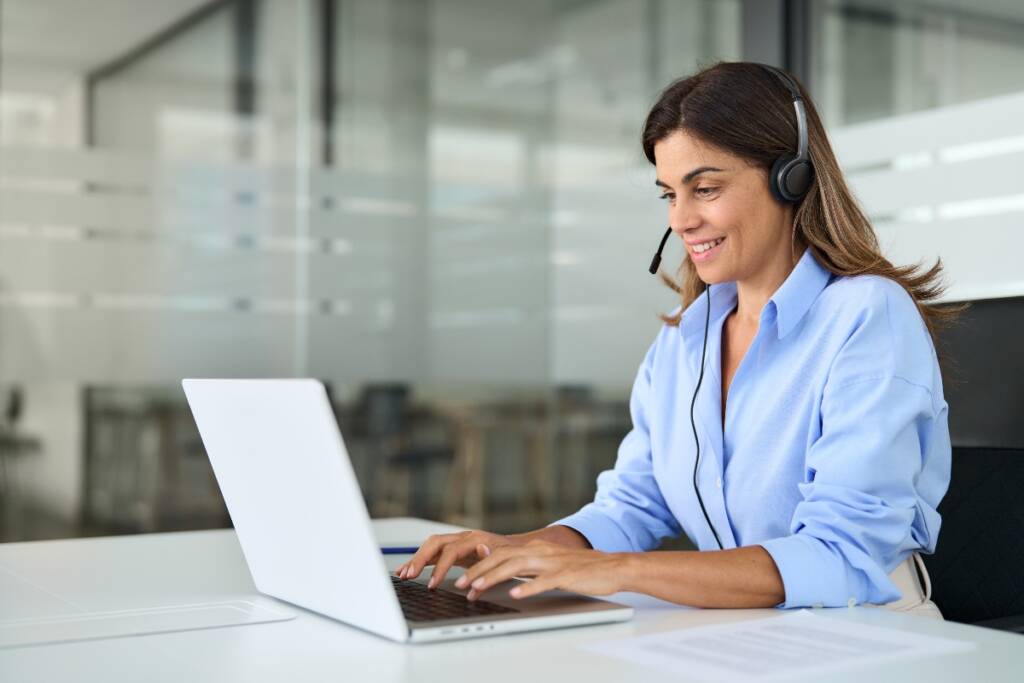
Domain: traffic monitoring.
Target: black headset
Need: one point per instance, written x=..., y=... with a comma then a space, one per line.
x=789, y=180
x=792, y=174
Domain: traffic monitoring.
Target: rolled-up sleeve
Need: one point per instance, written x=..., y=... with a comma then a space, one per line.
x=862, y=511
x=629, y=512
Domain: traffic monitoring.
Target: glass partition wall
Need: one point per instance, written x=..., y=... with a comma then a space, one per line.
x=924, y=103
x=438, y=208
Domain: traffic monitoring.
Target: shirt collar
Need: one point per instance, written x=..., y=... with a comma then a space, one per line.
x=787, y=305
x=800, y=290
x=723, y=300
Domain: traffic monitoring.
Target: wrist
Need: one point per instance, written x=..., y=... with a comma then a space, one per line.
x=523, y=538
x=558, y=534
x=627, y=567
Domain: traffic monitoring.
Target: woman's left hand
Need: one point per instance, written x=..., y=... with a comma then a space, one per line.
x=553, y=566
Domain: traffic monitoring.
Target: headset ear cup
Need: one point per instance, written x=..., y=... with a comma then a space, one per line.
x=790, y=179
x=797, y=179
x=775, y=179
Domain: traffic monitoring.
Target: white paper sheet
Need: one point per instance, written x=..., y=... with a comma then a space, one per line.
x=797, y=644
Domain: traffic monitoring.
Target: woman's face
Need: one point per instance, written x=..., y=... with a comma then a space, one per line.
x=722, y=209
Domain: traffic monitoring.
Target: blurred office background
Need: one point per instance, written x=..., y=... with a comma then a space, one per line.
x=438, y=207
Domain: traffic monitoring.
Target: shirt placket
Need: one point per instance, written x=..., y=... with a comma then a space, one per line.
x=710, y=474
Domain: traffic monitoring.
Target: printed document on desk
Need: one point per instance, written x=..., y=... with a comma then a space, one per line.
x=776, y=648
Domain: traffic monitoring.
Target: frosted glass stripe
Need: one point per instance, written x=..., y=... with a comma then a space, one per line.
x=977, y=253
x=939, y=181
x=886, y=191
x=156, y=303
x=118, y=169
x=954, y=126
x=129, y=213
x=63, y=163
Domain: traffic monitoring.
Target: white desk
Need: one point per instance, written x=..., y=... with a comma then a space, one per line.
x=181, y=568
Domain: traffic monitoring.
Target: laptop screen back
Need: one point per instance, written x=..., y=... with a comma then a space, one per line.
x=294, y=500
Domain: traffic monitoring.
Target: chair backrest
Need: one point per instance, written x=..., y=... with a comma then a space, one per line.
x=977, y=570
x=978, y=564
x=984, y=374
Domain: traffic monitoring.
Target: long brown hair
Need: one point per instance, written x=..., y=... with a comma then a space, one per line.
x=743, y=108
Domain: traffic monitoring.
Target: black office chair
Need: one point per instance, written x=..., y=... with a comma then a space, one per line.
x=977, y=570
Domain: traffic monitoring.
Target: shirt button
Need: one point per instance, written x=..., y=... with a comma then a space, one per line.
x=718, y=483
x=851, y=603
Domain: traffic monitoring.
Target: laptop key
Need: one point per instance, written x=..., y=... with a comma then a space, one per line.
x=421, y=604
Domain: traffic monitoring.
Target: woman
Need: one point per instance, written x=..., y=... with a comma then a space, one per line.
x=819, y=448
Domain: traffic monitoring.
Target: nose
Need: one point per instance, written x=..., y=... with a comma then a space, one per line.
x=682, y=217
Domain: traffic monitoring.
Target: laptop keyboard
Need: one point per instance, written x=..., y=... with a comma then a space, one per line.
x=421, y=604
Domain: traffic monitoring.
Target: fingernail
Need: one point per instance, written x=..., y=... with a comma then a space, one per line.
x=471, y=595
x=515, y=592
x=484, y=550
x=401, y=573
x=461, y=582
x=433, y=580
x=479, y=583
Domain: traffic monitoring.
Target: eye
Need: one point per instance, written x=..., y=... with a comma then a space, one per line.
x=705, y=191
x=668, y=195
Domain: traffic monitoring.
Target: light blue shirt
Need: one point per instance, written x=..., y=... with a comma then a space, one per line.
x=835, y=452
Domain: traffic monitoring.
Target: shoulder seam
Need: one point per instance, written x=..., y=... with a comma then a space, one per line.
x=878, y=376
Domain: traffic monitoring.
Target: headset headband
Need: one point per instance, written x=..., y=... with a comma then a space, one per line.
x=798, y=105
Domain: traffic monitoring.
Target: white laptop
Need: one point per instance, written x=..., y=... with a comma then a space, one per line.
x=304, y=529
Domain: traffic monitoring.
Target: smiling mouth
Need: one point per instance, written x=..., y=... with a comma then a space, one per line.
x=707, y=246
x=706, y=251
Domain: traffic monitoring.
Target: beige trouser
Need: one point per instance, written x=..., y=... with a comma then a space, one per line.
x=911, y=577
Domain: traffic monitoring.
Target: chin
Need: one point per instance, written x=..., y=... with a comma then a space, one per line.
x=713, y=276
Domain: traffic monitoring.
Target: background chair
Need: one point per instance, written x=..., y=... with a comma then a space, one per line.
x=408, y=446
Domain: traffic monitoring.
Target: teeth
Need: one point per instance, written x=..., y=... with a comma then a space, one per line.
x=700, y=248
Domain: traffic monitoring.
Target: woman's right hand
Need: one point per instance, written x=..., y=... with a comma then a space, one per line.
x=463, y=548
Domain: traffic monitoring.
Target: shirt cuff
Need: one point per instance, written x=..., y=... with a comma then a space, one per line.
x=602, y=533
x=809, y=571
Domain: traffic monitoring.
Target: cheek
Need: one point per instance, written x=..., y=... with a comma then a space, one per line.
x=741, y=221
x=727, y=220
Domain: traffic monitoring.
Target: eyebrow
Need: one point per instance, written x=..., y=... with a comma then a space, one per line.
x=692, y=174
